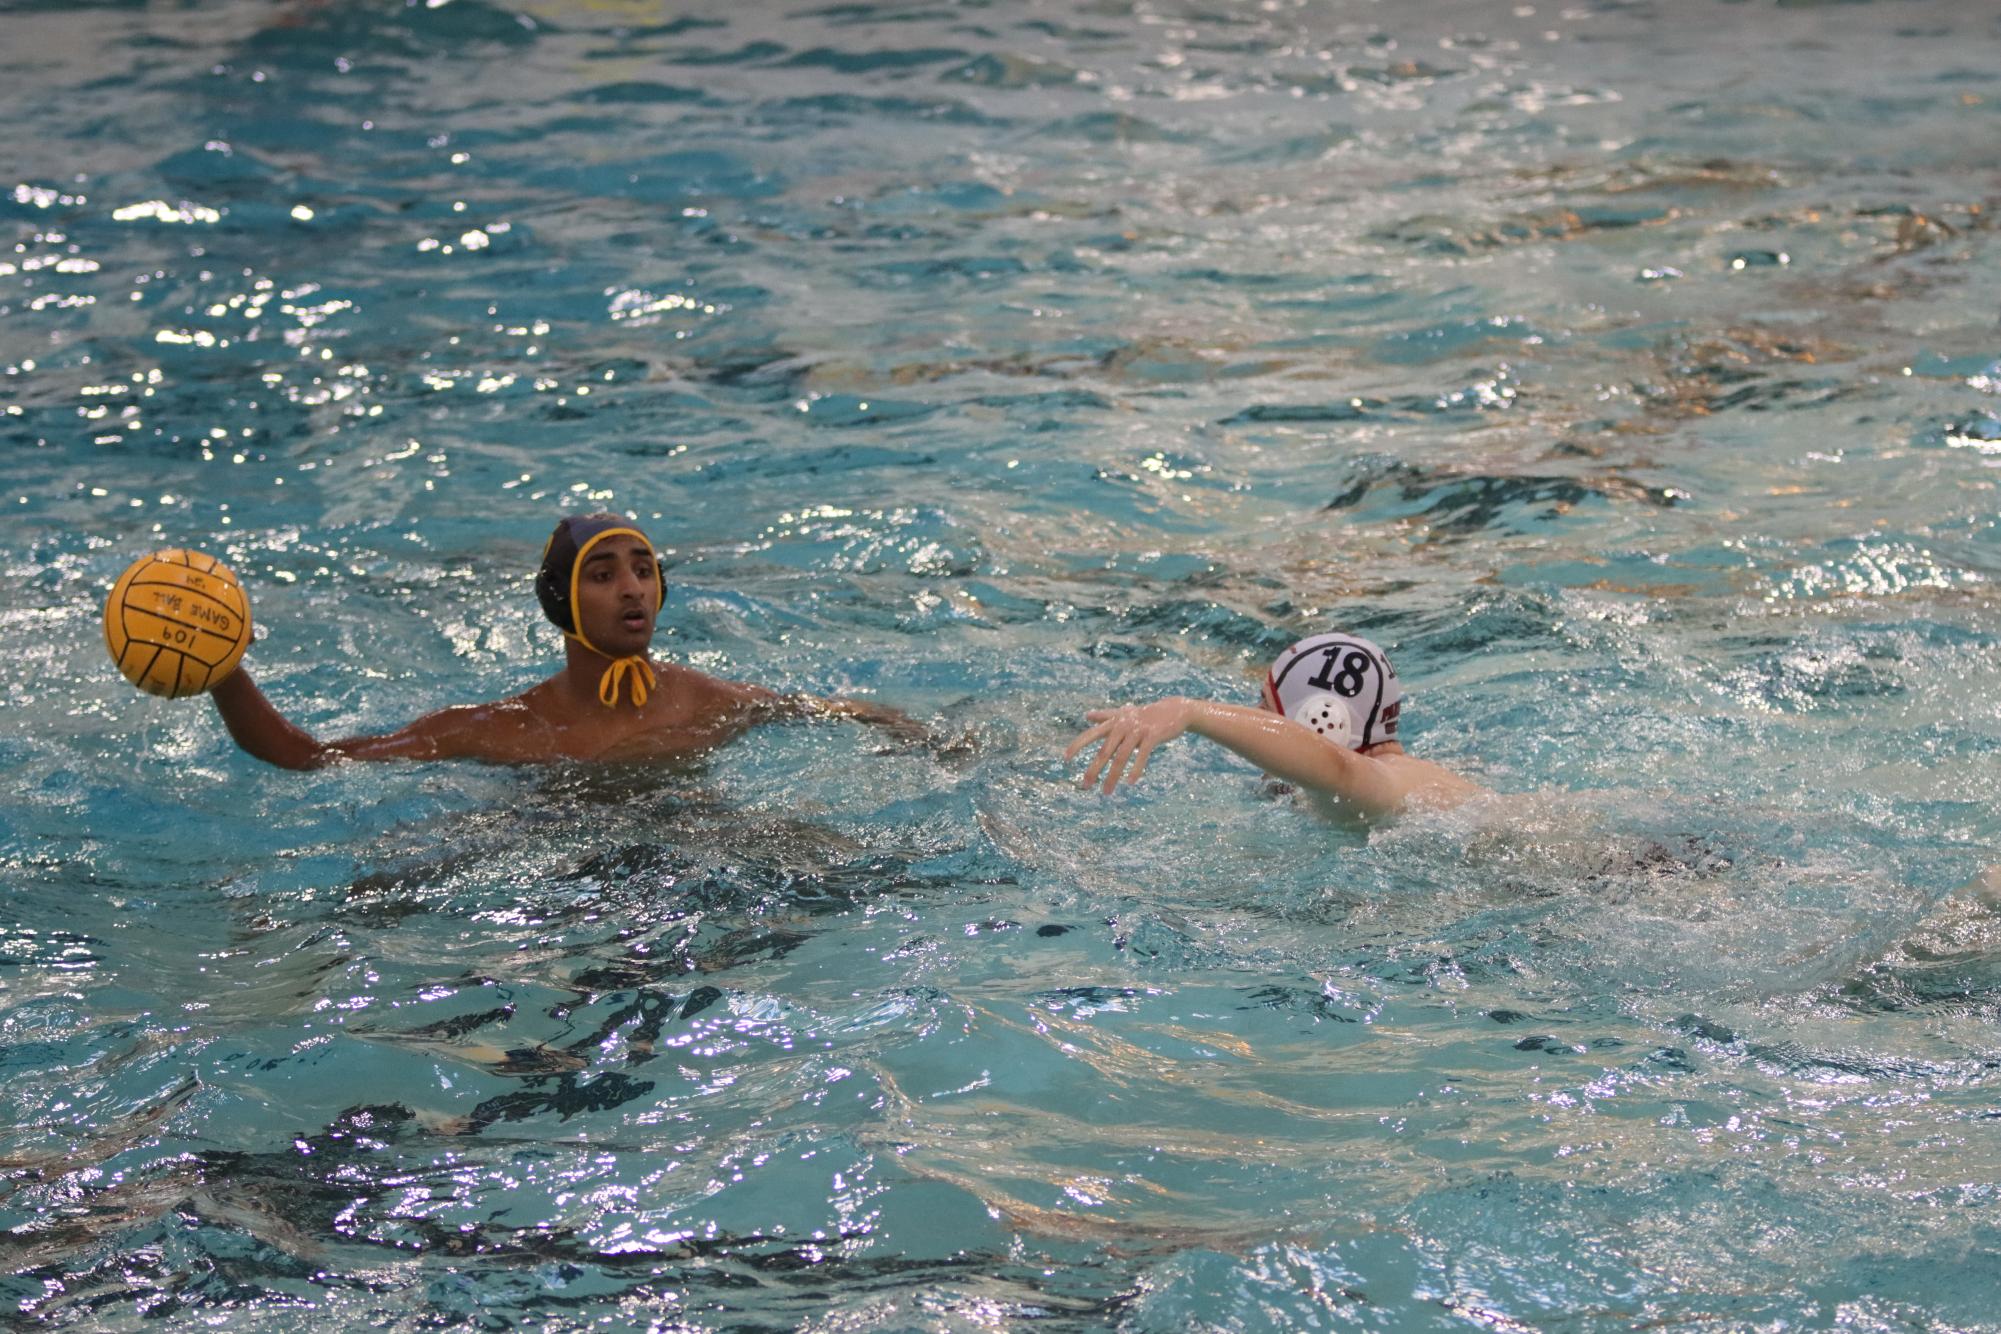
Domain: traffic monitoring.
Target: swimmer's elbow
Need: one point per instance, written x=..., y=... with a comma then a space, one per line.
x=450, y=734
x=1340, y=775
x=1362, y=791
x=353, y=748
x=299, y=758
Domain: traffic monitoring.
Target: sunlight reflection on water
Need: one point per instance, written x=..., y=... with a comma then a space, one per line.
x=1623, y=372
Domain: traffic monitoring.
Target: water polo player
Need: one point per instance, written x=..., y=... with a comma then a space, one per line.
x=601, y=584
x=1328, y=723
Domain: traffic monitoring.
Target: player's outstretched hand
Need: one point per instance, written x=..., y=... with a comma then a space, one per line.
x=1127, y=736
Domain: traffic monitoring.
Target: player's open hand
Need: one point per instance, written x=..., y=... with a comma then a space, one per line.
x=1128, y=736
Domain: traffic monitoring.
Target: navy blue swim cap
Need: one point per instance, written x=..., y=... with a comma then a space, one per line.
x=556, y=581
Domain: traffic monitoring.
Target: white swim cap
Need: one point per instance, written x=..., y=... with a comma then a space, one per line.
x=1339, y=685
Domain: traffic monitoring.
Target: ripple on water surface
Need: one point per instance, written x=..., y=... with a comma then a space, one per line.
x=1624, y=374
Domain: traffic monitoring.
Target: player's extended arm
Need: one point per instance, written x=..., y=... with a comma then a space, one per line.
x=893, y=721
x=270, y=736
x=263, y=731
x=1277, y=745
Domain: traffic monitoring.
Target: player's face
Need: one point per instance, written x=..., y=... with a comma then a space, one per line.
x=618, y=595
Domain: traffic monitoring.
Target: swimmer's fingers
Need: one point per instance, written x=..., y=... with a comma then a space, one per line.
x=1100, y=760
x=1123, y=748
x=1108, y=755
x=1089, y=735
x=1145, y=754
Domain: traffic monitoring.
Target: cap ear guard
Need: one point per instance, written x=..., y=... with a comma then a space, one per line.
x=1328, y=716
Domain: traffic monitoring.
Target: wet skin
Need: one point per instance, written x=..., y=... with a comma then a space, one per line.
x=1377, y=784
x=686, y=714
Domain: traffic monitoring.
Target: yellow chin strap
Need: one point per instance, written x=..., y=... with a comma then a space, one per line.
x=635, y=671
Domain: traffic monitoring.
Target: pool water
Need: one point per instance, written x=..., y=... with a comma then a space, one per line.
x=1629, y=370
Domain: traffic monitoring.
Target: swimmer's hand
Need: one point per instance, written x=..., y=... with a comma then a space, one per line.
x=1129, y=735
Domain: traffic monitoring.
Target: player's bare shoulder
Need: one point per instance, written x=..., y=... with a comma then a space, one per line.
x=503, y=731
x=1422, y=785
x=700, y=699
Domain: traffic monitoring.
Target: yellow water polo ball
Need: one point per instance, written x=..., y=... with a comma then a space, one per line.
x=176, y=622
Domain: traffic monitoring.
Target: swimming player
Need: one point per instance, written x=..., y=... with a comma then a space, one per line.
x=601, y=583
x=1327, y=723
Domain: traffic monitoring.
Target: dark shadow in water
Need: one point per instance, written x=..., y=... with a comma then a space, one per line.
x=1461, y=505
x=234, y=1230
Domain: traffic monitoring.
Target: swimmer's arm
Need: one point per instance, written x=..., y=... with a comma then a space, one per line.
x=893, y=721
x=462, y=732
x=261, y=730
x=1292, y=753
x=258, y=727
x=1279, y=746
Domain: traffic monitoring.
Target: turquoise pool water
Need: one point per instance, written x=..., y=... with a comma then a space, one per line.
x=1629, y=370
